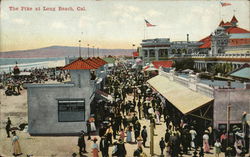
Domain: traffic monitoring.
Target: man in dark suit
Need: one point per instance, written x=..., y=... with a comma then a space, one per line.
x=81, y=144
x=144, y=135
x=104, y=146
x=7, y=128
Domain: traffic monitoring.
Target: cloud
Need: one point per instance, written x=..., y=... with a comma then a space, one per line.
x=85, y=21
x=58, y=25
x=126, y=8
x=153, y=13
x=4, y=15
x=20, y=21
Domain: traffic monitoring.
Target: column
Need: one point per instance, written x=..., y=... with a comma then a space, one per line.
x=148, y=59
x=143, y=56
x=156, y=54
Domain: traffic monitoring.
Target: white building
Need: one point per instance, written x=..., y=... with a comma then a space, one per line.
x=58, y=109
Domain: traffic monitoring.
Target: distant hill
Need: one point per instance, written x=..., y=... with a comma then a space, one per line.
x=62, y=51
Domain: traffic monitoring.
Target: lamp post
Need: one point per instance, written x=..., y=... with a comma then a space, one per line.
x=93, y=51
x=79, y=48
x=133, y=45
x=88, y=50
x=98, y=52
x=151, y=111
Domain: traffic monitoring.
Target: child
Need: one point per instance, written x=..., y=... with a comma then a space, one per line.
x=217, y=147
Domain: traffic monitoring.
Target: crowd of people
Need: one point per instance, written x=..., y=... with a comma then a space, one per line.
x=13, y=82
x=120, y=119
x=119, y=122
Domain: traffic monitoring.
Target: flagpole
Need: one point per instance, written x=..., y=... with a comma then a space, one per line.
x=144, y=30
x=220, y=11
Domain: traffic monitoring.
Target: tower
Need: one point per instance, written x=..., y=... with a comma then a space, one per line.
x=234, y=21
x=219, y=41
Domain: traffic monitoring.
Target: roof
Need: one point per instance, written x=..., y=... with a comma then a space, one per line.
x=93, y=62
x=207, y=44
x=150, y=67
x=234, y=20
x=221, y=23
x=206, y=38
x=238, y=42
x=242, y=72
x=232, y=30
x=183, y=98
x=109, y=60
x=164, y=64
x=79, y=64
x=101, y=60
x=227, y=24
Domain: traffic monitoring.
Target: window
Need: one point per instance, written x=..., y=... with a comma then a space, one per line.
x=151, y=53
x=71, y=110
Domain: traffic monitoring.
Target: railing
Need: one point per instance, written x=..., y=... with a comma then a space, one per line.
x=224, y=55
x=205, y=89
x=181, y=80
x=200, y=87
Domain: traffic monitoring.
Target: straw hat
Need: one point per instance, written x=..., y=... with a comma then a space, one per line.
x=206, y=131
x=139, y=138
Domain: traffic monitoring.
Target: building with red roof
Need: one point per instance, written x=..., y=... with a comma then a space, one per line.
x=163, y=64
x=65, y=107
x=227, y=35
x=80, y=64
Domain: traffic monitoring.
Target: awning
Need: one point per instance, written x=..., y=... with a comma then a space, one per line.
x=103, y=96
x=183, y=98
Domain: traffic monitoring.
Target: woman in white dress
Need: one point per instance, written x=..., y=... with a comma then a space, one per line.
x=92, y=123
x=193, y=135
x=206, y=147
x=16, y=146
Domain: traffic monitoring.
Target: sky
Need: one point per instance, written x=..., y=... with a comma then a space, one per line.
x=111, y=23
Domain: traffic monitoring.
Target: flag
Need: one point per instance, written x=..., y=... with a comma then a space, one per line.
x=225, y=4
x=149, y=24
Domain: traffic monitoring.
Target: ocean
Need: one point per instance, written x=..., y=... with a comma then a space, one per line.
x=7, y=64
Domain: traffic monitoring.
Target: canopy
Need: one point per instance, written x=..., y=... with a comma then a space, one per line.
x=149, y=67
x=103, y=96
x=183, y=98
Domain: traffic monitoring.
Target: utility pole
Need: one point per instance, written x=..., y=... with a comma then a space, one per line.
x=93, y=51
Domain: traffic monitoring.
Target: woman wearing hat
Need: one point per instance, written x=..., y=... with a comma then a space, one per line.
x=139, y=141
x=92, y=123
x=16, y=146
x=205, y=142
x=95, y=149
x=129, y=134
